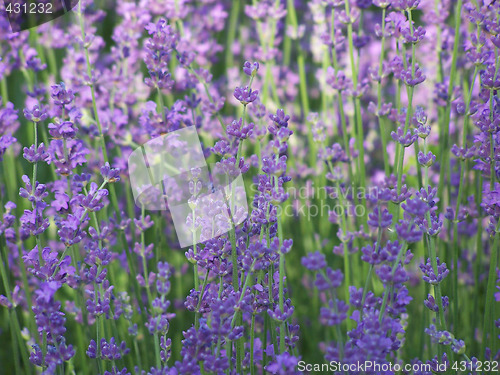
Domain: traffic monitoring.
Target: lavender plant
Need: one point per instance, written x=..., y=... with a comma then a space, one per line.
x=367, y=137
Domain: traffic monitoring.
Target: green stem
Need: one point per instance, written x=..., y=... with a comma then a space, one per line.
x=231, y=33
x=343, y=223
x=444, y=136
x=370, y=270
x=102, y=140
x=13, y=321
x=463, y=170
x=361, y=175
x=379, y=99
x=437, y=289
x=488, y=322
x=388, y=289
x=252, y=340
x=157, y=350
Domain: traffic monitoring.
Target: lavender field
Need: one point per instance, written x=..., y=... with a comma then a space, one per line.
x=250, y=187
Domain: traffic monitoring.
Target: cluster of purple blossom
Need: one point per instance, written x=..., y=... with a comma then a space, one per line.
x=392, y=104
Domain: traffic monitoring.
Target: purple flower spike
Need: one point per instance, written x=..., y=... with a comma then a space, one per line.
x=94, y=200
x=284, y=363
x=406, y=140
x=334, y=314
x=380, y=219
x=458, y=346
x=63, y=130
x=413, y=79
x=245, y=95
x=92, y=349
x=408, y=231
x=332, y=279
x=34, y=155
x=426, y=159
x=416, y=207
x=280, y=119
x=112, y=351
x=274, y=166
x=5, y=142
x=333, y=154
x=237, y=130
x=405, y=4
x=61, y=95
x=109, y=174
x=314, y=261
x=337, y=80
x=36, y=114
x=281, y=316
x=491, y=200
x=250, y=69
x=430, y=276
x=431, y=304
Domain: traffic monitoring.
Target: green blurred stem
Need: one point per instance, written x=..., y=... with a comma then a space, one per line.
x=493, y=159
x=444, y=136
x=410, y=91
x=370, y=270
x=281, y=287
x=243, y=290
x=231, y=33
x=379, y=97
x=112, y=190
x=401, y=154
x=304, y=97
x=267, y=45
x=338, y=329
x=431, y=244
x=404, y=246
x=5, y=92
x=234, y=253
x=461, y=187
x=35, y=168
x=343, y=223
x=114, y=199
x=157, y=350
x=144, y=260
x=345, y=136
x=361, y=176
x=489, y=311
x=252, y=339
x=207, y=91
x=15, y=329
x=98, y=342
x=488, y=322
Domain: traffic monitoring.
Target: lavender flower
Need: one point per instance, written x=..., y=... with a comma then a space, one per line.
x=250, y=69
x=245, y=95
x=432, y=277
x=370, y=126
